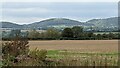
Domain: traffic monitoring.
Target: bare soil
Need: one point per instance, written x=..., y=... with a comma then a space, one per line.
x=81, y=45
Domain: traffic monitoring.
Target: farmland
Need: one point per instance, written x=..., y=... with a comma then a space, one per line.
x=75, y=52
x=80, y=52
x=80, y=45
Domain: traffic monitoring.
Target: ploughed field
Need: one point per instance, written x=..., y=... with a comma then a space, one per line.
x=76, y=45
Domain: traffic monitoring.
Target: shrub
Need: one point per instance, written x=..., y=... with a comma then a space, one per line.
x=13, y=49
x=35, y=58
x=39, y=55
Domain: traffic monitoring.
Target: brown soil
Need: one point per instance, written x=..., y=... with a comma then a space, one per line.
x=81, y=45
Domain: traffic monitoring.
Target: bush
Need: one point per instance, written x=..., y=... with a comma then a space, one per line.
x=39, y=55
x=35, y=58
x=13, y=49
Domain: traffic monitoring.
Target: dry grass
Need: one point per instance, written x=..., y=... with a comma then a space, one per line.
x=80, y=45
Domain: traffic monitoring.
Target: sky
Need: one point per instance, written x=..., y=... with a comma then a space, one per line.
x=26, y=12
x=59, y=0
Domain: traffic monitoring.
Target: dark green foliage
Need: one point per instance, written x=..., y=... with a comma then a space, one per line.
x=67, y=32
x=90, y=34
x=105, y=35
x=77, y=31
x=99, y=36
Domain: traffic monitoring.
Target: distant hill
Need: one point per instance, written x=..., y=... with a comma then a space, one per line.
x=10, y=25
x=57, y=22
x=103, y=24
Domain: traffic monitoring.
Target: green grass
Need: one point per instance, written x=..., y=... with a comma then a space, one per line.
x=84, y=58
x=59, y=52
x=52, y=52
x=111, y=57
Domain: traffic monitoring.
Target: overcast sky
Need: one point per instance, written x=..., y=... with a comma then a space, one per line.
x=29, y=12
x=59, y=0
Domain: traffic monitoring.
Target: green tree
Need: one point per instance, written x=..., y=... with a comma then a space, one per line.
x=111, y=35
x=42, y=35
x=67, y=32
x=52, y=33
x=90, y=34
x=77, y=31
x=33, y=34
x=14, y=33
x=99, y=36
x=105, y=36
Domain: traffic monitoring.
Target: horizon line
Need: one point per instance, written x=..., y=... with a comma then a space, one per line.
x=56, y=18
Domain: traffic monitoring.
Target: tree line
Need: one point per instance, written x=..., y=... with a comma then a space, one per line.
x=74, y=33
